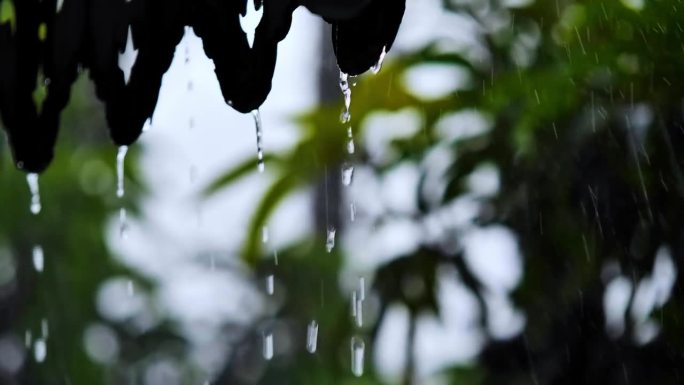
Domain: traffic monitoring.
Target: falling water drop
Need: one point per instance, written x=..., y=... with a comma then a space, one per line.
x=34, y=187
x=352, y=303
x=275, y=257
x=352, y=211
x=264, y=234
x=358, y=313
x=362, y=288
x=312, y=337
x=347, y=174
x=259, y=140
x=330, y=240
x=270, y=284
x=44, y=328
x=350, y=141
x=346, y=91
x=40, y=350
x=378, y=65
x=38, y=258
x=268, y=345
x=357, y=356
x=120, y=158
x=123, y=224
x=27, y=339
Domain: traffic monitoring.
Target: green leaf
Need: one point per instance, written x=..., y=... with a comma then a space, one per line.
x=236, y=173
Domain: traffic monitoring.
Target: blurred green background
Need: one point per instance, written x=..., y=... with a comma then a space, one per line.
x=562, y=127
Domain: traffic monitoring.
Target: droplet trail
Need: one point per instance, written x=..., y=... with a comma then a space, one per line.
x=259, y=139
x=120, y=159
x=357, y=356
x=267, y=345
x=34, y=188
x=312, y=337
x=38, y=258
x=330, y=240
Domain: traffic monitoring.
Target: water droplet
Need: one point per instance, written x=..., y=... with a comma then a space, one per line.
x=358, y=305
x=347, y=174
x=44, y=327
x=28, y=337
x=60, y=3
x=352, y=211
x=123, y=224
x=268, y=345
x=270, y=284
x=38, y=258
x=120, y=158
x=40, y=350
x=362, y=288
x=312, y=337
x=357, y=356
x=346, y=91
x=259, y=140
x=275, y=257
x=34, y=187
x=350, y=141
x=330, y=240
x=352, y=304
x=378, y=65
x=264, y=234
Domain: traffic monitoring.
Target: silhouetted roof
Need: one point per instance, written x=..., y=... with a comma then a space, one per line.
x=38, y=38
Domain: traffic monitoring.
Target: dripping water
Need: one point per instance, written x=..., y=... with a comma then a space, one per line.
x=267, y=347
x=270, y=284
x=347, y=174
x=357, y=356
x=362, y=288
x=34, y=187
x=350, y=141
x=312, y=337
x=330, y=240
x=120, y=158
x=352, y=211
x=358, y=312
x=259, y=139
x=44, y=328
x=38, y=258
x=353, y=307
x=28, y=337
x=378, y=65
x=40, y=350
x=123, y=224
x=264, y=234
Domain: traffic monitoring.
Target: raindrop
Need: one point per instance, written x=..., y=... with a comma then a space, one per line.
x=347, y=174
x=27, y=339
x=352, y=211
x=123, y=224
x=378, y=65
x=40, y=350
x=259, y=139
x=268, y=345
x=270, y=284
x=264, y=234
x=38, y=258
x=32, y=180
x=346, y=91
x=120, y=158
x=44, y=328
x=352, y=303
x=312, y=337
x=330, y=240
x=350, y=141
x=358, y=312
x=275, y=257
x=357, y=356
x=60, y=3
x=362, y=289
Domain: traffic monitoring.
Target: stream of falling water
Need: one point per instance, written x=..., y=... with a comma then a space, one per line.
x=38, y=258
x=34, y=187
x=121, y=189
x=259, y=140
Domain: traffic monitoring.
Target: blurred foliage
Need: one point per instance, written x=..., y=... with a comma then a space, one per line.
x=59, y=303
x=586, y=128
